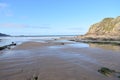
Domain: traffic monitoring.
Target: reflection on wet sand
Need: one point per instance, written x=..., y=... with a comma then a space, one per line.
x=106, y=46
x=69, y=62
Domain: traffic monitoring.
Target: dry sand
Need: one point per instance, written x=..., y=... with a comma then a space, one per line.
x=54, y=61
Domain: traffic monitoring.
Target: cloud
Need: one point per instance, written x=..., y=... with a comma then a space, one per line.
x=8, y=13
x=5, y=10
x=12, y=25
x=3, y=5
x=15, y=25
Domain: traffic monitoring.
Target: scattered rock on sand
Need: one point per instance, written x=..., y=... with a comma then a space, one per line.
x=108, y=72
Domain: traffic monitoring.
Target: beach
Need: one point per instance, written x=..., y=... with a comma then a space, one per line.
x=57, y=60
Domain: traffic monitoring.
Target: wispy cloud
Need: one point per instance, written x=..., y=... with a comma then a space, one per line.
x=3, y=5
x=5, y=10
x=12, y=25
x=16, y=25
x=9, y=13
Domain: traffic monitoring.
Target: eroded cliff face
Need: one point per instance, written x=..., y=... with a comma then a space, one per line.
x=107, y=28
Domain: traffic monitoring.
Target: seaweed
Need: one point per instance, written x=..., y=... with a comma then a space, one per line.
x=8, y=46
x=118, y=76
x=62, y=43
x=106, y=71
x=3, y=47
x=35, y=78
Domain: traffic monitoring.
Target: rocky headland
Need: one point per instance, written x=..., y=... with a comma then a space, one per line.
x=107, y=29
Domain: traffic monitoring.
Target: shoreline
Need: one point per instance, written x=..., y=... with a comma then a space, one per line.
x=100, y=42
x=61, y=62
x=96, y=40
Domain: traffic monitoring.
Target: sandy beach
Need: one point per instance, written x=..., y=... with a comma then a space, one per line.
x=52, y=60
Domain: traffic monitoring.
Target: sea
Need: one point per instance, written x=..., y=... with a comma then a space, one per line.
x=21, y=39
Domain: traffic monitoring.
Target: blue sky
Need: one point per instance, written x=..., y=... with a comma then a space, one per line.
x=54, y=17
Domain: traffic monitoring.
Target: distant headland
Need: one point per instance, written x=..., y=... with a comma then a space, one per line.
x=1, y=34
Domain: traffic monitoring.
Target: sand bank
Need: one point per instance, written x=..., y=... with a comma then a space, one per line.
x=65, y=63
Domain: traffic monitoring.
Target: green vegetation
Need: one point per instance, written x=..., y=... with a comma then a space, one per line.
x=3, y=47
x=108, y=26
x=108, y=72
x=101, y=42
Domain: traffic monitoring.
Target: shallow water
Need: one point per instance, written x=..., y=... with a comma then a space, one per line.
x=50, y=64
x=110, y=47
x=19, y=40
x=79, y=45
x=71, y=61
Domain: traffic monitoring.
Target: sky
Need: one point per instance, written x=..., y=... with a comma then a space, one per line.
x=54, y=17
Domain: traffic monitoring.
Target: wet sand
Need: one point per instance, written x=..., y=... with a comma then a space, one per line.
x=52, y=60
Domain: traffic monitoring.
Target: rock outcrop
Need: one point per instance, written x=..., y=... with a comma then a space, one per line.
x=108, y=28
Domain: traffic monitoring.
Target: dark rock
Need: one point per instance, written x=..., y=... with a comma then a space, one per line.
x=35, y=78
x=62, y=43
x=8, y=46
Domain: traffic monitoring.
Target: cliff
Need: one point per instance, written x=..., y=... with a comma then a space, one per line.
x=108, y=28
